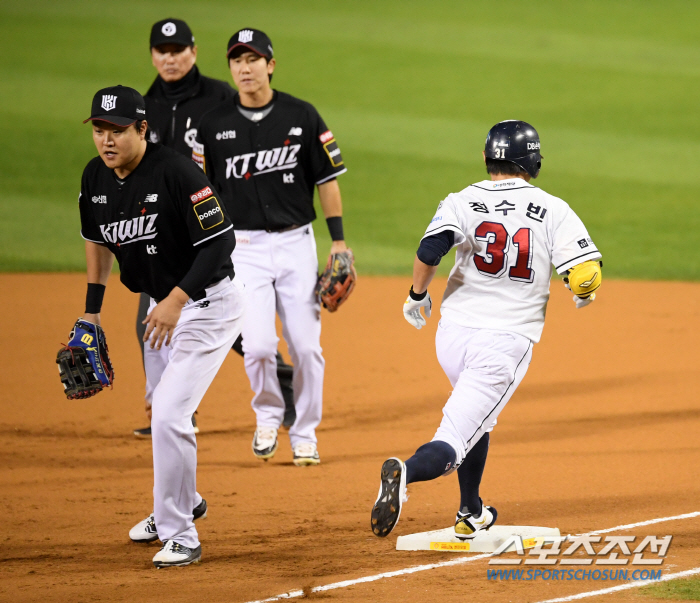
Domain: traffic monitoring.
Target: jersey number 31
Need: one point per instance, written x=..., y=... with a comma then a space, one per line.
x=495, y=261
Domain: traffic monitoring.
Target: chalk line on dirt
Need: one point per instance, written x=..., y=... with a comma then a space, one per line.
x=614, y=589
x=421, y=568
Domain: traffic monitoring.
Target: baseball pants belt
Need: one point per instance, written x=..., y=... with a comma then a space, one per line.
x=286, y=228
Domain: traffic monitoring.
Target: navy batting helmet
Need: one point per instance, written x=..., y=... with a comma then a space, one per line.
x=515, y=141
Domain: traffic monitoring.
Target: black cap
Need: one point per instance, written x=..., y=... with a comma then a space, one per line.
x=171, y=31
x=117, y=105
x=252, y=39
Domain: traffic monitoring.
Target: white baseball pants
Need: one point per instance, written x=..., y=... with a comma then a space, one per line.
x=484, y=367
x=280, y=270
x=177, y=377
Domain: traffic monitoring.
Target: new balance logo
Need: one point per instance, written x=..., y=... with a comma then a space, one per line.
x=100, y=199
x=130, y=231
x=151, y=250
x=109, y=101
x=288, y=178
x=203, y=304
x=151, y=198
x=294, y=132
x=245, y=36
x=279, y=158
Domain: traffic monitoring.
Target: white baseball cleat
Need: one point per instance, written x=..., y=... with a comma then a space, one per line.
x=174, y=554
x=392, y=494
x=467, y=526
x=145, y=531
x=265, y=442
x=305, y=454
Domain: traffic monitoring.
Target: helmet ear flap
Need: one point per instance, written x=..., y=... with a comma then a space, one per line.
x=539, y=167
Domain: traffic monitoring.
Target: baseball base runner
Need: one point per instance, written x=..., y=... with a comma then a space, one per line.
x=508, y=233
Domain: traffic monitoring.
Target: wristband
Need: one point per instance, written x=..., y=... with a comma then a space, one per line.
x=417, y=296
x=94, y=297
x=335, y=227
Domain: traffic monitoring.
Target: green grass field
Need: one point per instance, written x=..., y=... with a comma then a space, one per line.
x=410, y=90
x=676, y=590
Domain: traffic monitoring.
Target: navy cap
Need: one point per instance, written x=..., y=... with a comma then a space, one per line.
x=250, y=39
x=171, y=31
x=118, y=105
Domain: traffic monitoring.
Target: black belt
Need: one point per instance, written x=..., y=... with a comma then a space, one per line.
x=284, y=228
x=194, y=297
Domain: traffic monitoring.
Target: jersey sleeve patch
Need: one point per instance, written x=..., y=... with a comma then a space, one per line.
x=200, y=195
x=333, y=152
x=198, y=155
x=209, y=213
x=326, y=136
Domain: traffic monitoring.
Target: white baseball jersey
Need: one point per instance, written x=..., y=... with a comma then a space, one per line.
x=508, y=234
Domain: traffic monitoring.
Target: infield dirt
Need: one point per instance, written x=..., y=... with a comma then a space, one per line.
x=602, y=432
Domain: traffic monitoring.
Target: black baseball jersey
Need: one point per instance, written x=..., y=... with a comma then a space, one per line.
x=173, y=115
x=266, y=170
x=154, y=219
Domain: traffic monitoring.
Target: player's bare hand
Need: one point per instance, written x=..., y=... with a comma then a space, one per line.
x=338, y=246
x=412, y=307
x=162, y=320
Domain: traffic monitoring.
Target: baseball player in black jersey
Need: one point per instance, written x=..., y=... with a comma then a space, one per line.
x=175, y=103
x=159, y=215
x=265, y=151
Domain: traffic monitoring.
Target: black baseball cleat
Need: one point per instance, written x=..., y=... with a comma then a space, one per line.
x=200, y=511
x=392, y=494
x=265, y=443
x=145, y=531
x=174, y=554
x=145, y=433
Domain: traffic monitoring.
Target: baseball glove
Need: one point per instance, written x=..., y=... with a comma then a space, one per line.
x=337, y=281
x=84, y=364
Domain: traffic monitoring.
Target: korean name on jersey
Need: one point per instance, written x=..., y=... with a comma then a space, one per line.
x=508, y=235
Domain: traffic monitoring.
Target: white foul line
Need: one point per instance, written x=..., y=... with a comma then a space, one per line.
x=646, y=523
x=409, y=570
x=293, y=594
x=614, y=589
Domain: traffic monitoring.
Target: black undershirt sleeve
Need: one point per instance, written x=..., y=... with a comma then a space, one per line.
x=433, y=248
x=210, y=257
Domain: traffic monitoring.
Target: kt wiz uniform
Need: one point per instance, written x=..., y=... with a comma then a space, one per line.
x=153, y=221
x=173, y=117
x=508, y=235
x=266, y=169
